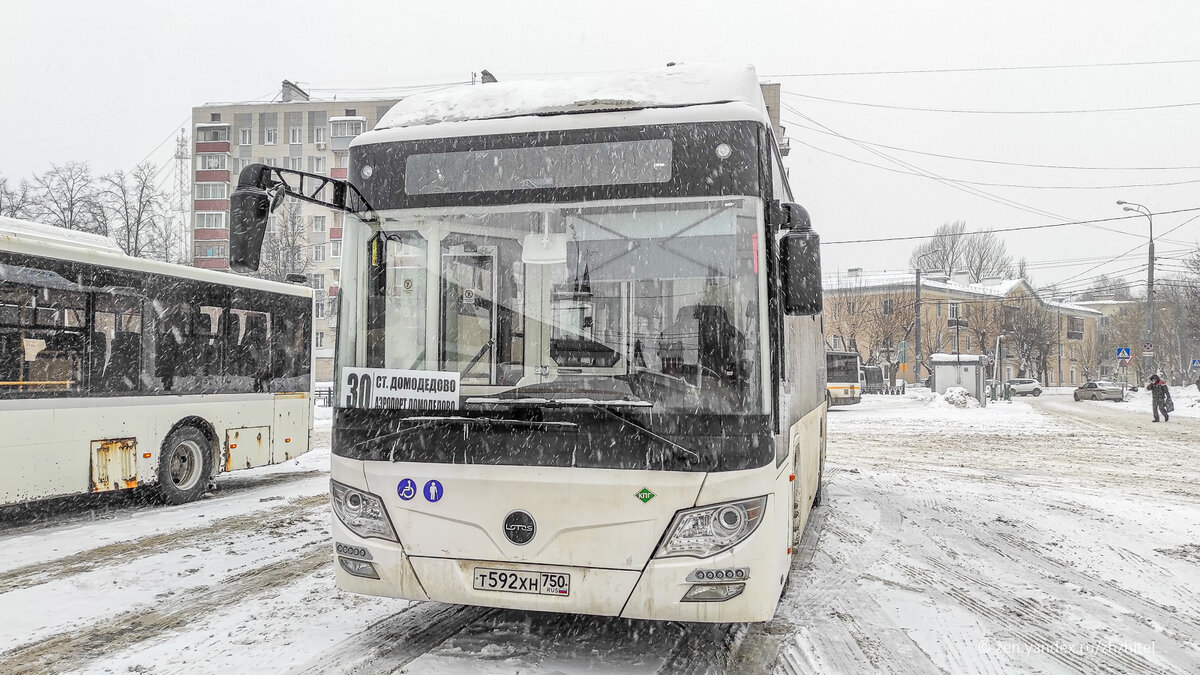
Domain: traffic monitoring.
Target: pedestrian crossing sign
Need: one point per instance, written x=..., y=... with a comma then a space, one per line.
x=1122, y=352
x=1195, y=363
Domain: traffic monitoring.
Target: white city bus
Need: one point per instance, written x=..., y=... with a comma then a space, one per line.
x=118, y=372
x=580, y=358
x=842, y=380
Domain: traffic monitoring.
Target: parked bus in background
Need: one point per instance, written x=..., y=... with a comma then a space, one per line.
x=118, y=372
x=580, y=350
x=842, y=378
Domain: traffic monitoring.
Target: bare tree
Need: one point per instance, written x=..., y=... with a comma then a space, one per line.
x=889, y=320
x=67, y=197
x=1105, y=285
x=953, y=249
x=17, y=201
x=284, y=249
x=1032, y=332
x=134, y=205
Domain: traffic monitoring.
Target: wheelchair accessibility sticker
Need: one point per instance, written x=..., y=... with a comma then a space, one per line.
x=407, y=489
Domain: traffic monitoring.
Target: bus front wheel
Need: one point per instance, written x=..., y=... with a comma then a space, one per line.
x=184, y=466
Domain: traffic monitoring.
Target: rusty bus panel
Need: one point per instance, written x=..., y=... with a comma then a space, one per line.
x=114, y=464
x=247, y=447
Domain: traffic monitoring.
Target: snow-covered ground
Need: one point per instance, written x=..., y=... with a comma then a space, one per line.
x=1042, y=535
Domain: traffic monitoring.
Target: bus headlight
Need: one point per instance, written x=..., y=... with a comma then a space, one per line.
x=361, y=511
x=709, y=530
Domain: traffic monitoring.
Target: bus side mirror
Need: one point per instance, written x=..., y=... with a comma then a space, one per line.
x=249, y=208
x=800, y=260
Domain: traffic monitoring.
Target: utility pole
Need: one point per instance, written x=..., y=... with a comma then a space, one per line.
x=917, y=318
x=1148, y=348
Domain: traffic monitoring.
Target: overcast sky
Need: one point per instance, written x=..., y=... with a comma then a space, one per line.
x=108, y=82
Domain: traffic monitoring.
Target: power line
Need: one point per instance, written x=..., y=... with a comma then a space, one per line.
x=1008, y=185
x=1004, y=163
x=1017, y=229
x=963, y=188
x=988, y=69
x=964, y=111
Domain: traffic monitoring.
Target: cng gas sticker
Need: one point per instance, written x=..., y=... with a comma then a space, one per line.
x=406, y=489
x=433, y=491
x=399, y=389
x=645, y=495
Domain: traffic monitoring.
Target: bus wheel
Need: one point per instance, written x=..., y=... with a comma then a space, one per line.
x=184, y=466
x=818, y=497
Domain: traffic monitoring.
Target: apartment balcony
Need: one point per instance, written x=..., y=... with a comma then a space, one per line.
x=204, y=233
x=212, y=146
x=212, y=175
x=339, y=173
x=1074, y=335
x=211, y=205
x=211, y=263
x=335, y=233
x=956, y=323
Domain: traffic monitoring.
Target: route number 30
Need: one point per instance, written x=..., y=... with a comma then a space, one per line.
x=359, y=395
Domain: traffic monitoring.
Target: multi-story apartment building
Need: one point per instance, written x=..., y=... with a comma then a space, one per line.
x=1035, y=337
x=294, y=132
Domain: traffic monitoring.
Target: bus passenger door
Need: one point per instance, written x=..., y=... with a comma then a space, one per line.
x=468, y=335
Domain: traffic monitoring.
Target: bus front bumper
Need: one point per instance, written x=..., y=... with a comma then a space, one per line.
x=656, y=592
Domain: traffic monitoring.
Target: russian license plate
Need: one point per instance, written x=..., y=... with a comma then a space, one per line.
x=522, y=581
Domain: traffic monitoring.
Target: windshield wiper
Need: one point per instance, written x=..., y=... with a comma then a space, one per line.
x=427, y=421
x=604, y=406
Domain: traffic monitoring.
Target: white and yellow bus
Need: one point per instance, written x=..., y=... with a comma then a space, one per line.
x=580, y=351
x=118, y=372
x=842, y=378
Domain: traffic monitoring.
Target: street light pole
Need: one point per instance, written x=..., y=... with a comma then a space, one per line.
x=917, y=318
x=1147, y=354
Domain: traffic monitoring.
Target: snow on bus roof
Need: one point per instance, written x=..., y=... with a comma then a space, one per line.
x=673, y=86
x=58, y=235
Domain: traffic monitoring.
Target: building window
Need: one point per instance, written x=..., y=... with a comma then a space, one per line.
x=319, y=336
x=272, y=137
x=212, y=160
x=968, y=344
x=211, y=249
x=954, y=309
x=210, y=220
x=954, y=343
x=318, y=281
x=271, y=161
x=939, y=308
x=1075, y=328
x=214, y=117
x=350, y=112
x=344, y=128
x=335, y=249
x=1072, y=374
x=850, y=307
x=242, y=163
x=316, y=165
x=318, y=223
x=888, y=306
x=319, y=253
x=211, y=190
x=245, y=136
x=296, y=135
x=212, y=134
x=319, y=134
x=295, y=163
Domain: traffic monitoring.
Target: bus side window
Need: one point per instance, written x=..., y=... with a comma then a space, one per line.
x=291, y=345
x=43, y=327
x=249, y=339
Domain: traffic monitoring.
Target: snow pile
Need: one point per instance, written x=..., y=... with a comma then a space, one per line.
x=959, y=398
x=684, y=84
x=1185, y=397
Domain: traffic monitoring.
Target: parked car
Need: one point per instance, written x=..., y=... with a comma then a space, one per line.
x=1023, y=386
x=1099, y=391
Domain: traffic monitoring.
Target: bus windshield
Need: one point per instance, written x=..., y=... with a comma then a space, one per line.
x=652, y=305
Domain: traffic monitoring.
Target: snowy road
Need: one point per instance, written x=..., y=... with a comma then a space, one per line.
x=1043, y=536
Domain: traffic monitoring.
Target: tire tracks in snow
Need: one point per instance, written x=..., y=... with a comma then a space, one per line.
x=125, y=551
x=85, y=647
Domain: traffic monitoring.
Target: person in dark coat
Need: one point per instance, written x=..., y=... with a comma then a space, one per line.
x=1158, y=397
